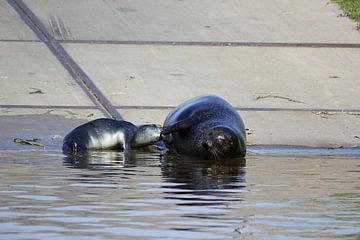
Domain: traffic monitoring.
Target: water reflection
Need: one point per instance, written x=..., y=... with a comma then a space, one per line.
x=209, y=182
x=190, y=182
x=197, y=174
x=187, y=173
x=98, y=160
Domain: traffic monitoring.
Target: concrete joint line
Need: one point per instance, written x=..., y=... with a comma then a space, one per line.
x=317, y=111
x=21, y=106
x=217, y=44
x=252, y=109
x=20, y=41
x=199, y=44
x=65, y=59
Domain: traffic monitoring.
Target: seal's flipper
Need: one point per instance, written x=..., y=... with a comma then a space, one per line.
x=180, y=125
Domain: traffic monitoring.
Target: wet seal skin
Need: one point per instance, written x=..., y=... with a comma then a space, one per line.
x=205, y=127
x=109, y=134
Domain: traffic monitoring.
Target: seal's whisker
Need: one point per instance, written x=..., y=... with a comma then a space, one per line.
x=198, y=147
x=215, y=153
x=211, y=154
x=214, y=156
x=221, y=153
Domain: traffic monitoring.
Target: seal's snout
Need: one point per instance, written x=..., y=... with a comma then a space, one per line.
x=207, y=144
x=223, y=139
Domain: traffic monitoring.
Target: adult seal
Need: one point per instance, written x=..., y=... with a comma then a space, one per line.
x=205, y=127
x=109, y=134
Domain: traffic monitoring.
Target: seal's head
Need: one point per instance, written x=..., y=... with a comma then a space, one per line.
x=147, y=134
x=220, y=142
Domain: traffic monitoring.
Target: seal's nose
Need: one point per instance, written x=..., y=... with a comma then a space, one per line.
x=207, y=144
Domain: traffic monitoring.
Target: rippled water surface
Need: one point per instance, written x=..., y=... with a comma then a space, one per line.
x=44, y=195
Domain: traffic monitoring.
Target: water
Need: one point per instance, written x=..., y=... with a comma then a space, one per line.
x=44, y=195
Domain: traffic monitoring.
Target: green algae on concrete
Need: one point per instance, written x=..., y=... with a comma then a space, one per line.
x=352, y=9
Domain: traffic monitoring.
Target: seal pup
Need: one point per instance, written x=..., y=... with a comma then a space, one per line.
x=205, y=127
x=109, y=134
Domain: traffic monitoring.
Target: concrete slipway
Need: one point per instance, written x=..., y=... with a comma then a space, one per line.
x=291, y=68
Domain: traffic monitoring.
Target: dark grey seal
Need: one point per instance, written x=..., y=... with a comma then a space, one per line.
x=109, y=134
x=205, y=127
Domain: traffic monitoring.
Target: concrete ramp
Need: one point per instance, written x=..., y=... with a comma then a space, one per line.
x=289, y=67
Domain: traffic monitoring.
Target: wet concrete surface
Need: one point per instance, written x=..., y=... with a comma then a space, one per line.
x=46, y=129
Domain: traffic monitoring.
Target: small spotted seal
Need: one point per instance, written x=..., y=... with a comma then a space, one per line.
x=109, y=134
x=205, y=127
